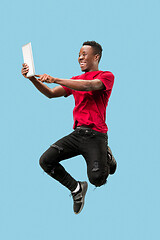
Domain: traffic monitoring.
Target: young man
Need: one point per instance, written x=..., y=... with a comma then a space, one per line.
x=91, y=92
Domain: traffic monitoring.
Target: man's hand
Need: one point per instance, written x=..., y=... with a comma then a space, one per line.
x=46, y=78
x=25, y=70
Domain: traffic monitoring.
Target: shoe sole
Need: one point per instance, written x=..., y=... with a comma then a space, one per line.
x=113, y=169
x=84, y=190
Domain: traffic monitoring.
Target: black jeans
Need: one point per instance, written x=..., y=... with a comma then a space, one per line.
x=92, y=145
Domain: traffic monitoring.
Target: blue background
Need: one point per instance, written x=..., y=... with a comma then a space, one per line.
x=32, y=205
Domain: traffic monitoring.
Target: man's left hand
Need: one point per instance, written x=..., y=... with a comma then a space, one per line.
x=45, y=78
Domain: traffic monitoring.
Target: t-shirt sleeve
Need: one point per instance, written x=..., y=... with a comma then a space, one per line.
x=68, y=90
x=108, y=80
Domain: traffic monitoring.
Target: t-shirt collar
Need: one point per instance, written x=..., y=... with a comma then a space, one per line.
x=92, y=74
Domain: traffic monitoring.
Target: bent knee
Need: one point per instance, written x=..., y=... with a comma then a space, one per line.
x=42, y=161
x=98, y=178
x=48, y=159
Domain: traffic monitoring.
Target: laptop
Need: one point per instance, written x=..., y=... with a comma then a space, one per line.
x=28, y=58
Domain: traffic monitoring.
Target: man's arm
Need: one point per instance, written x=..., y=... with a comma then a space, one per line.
x=79, y=85
x=58, y=91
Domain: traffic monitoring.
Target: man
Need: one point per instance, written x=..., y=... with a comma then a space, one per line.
x=91, y=92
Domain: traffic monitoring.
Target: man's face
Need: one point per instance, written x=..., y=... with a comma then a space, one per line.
x=87, y=59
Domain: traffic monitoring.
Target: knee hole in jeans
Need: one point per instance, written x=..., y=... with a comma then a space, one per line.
x=97, y=177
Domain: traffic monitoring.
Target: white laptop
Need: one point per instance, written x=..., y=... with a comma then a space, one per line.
x=28, y=58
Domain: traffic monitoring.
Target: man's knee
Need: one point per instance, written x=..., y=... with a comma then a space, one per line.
x=97, y=180
x=98, y=177
x=43, y=162
x=49, y=159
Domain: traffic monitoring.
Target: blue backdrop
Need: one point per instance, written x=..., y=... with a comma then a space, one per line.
x=32, y=205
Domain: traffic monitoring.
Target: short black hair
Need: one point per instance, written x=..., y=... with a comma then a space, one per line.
x=96, y=46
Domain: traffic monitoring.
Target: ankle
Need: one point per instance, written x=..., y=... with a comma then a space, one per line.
x=77, y=188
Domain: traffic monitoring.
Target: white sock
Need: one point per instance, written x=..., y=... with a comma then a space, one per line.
x=77, y=188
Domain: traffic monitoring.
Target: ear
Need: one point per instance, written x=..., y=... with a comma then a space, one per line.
x=97, y=57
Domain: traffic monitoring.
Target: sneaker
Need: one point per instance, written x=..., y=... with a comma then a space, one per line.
x=78, y=197
x=111, y=161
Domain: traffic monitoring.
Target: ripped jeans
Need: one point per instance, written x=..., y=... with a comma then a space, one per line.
x=92, y=145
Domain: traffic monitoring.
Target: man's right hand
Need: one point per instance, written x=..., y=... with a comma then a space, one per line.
x=57, y=91
x=25, y=70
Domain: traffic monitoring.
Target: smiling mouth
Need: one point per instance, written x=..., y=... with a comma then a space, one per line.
x=82, y=64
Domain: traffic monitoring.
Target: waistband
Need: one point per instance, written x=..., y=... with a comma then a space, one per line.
x=88, y=130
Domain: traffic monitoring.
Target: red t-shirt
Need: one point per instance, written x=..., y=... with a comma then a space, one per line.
x=90, y=106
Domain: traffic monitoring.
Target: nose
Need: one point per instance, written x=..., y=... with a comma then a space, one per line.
x=80, y=57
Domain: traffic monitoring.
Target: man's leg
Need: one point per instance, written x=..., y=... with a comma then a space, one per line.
x=49, y=161
x=65, y=148
x=94, y=150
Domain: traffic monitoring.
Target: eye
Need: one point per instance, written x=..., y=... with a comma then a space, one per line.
x=83, y=54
